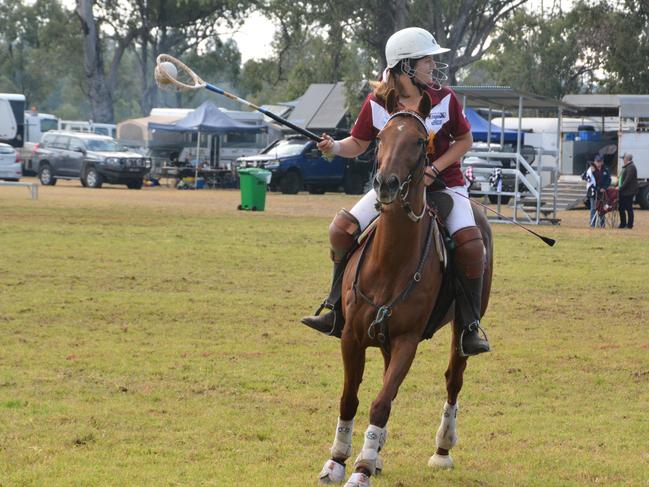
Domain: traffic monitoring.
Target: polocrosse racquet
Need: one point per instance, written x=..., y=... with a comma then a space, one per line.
x=172, y=74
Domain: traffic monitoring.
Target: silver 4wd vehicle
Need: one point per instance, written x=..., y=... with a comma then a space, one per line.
x=93, y=159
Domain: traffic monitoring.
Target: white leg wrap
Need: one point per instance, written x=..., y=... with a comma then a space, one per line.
x=374, y=439
x=342, y=446
x=358, y=479
x=446, y=436
x=331, y=473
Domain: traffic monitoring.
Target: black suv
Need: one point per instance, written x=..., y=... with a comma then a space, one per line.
x=94, y=159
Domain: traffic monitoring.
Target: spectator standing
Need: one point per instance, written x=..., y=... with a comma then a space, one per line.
x=602, y=181
x=628, y=187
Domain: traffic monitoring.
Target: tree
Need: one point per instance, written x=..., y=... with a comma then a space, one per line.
x=625, y=47
x=146, y=28
x=35, y=42
x=547, y=56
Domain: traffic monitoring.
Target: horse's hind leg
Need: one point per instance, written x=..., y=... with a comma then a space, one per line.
x=333, y=471
x=446, y=436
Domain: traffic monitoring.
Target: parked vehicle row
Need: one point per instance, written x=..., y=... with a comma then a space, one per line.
x=93, y=159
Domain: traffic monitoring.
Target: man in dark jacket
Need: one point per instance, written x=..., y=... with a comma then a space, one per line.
x=628, y=186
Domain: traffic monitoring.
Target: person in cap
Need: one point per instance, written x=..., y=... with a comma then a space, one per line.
x=602, y=179
x=628, y=187
x=413, y=71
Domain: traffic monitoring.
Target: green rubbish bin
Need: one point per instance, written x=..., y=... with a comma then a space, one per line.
x=253, y=182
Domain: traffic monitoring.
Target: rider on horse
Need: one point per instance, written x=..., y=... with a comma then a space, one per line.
x=412, y=72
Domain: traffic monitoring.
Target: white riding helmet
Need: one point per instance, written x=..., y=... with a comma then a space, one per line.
x=411, y=43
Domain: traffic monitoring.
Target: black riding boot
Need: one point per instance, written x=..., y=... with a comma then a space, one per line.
x=468, y=259
x=468, y=299
x=332, y=322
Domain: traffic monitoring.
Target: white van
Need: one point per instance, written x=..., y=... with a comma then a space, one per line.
x=36, y=124
x=89, y=126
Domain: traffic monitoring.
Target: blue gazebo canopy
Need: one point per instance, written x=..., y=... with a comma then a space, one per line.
x=207, y=119
x=480, y=128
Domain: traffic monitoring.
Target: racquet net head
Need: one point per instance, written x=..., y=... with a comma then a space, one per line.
x=171, y=74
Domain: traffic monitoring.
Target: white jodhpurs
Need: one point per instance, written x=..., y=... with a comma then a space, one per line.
x=461, y=215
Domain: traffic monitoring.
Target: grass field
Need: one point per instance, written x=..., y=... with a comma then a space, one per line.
x=151, y=338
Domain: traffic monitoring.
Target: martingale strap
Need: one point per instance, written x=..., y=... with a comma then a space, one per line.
x=378, y=328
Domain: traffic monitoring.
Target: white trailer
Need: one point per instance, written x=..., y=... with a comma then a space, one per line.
x=12, y=119
x=634, y=139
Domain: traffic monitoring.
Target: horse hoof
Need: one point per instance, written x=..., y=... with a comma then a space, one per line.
x=358, y=479
x=440, y=461
x=379, y=465
x=332, y=473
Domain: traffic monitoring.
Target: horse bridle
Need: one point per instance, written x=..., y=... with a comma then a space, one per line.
x=404, y=188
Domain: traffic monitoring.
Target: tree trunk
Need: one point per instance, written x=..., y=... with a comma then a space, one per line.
x=99, y=93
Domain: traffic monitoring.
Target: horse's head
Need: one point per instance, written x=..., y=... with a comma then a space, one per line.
x=401, y=155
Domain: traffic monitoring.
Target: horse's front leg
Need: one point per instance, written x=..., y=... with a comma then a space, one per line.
x=353, y=353
x=402, y=354
x=446, y=437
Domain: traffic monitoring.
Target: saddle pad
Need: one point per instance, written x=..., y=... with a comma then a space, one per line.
x=441, y=203
x=366, y=233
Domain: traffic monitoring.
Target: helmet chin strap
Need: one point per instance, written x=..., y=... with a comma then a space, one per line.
x=436, y=84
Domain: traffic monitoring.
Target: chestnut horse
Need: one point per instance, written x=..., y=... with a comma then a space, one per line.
x=390, y=288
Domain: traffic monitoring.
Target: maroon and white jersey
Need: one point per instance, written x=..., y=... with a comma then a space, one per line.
x=446, y=120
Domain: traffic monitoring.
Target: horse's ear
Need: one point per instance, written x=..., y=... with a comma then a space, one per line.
x=391, y=101
x=424, y=105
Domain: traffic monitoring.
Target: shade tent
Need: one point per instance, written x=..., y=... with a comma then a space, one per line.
x=207, y=119
x=480, y=128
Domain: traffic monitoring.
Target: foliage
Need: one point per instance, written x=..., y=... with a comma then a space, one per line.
x=594, y=46
x=547, y=56
x=35, y=42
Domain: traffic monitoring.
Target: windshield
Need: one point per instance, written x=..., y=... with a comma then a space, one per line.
x=286, y=148
x=99, y=145
x=49, y=124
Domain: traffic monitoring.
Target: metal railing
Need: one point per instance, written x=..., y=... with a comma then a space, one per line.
x=529, y=179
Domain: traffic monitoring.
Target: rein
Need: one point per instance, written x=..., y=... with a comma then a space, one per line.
x=404, y=188
x=385, y=311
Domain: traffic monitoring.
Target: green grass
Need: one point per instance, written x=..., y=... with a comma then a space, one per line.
x=141, y=347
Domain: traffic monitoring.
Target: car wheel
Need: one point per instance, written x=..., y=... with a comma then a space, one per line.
x=46, y=176
x=134, y=185
x=83, y=181
x=291, y=183
x=93, y=178
x=643, y=198
x=354, y=183
x=493, y=199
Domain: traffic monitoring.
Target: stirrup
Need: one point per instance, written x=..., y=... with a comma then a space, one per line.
x=325, y=305
x=473, y=326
